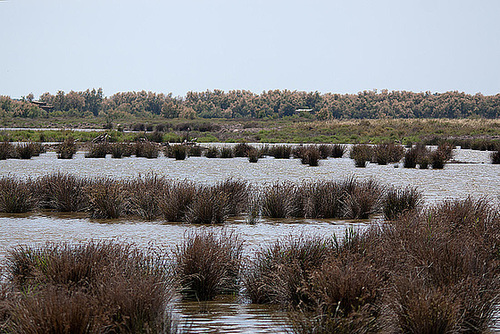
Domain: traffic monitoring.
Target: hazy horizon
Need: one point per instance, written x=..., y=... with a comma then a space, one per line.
x=176, y=47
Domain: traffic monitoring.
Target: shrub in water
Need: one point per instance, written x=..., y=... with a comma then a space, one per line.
x=388, y=153
x=361, y=199
x=107, y=198
x=208, y=264
x=176, y=200
x=325, y=150
x=146, y=195
x=253, y=155
x=398, y=201
x=241, y=150
x=361, y=154
x=62, y=192
x=210, y=206
x=195, y=151
x=6, y=150
x=67, y=149
x=338, y=150
x=98, y=150
x=24, y=151
x=212, y=152
x=495, y=157
x=280, y=200
x=16, y=195
x=226, y=152
x=179, y=152
x=144, y=149
x=438, y=159
x=310, y=156
x=280, y=151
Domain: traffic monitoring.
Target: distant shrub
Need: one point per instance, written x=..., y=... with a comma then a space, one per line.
x=361, y=154
x=67, y=149
x=338, y=150
x=212, y=152
x=98, y=151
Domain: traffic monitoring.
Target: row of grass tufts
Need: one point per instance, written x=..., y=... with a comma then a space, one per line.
x=432, y=270
x=154, y=197
x=21, y=150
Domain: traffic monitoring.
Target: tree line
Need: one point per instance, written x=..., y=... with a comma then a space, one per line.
x=245, y=104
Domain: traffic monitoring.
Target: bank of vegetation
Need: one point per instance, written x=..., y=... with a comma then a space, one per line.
x=432, y=270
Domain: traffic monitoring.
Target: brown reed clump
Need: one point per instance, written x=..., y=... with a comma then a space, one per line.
x=210, y=206
x=226, y=152
x=237, y=193
x=6, y=150
x=281, y=200
x=325, y=150
x=107, y=198
x=361, y=198
x=67, y=149
x=279, y=273
x=62, y=192
x=207, y=264
x=388, y=153
x=280, y=151
x=24, y=151
x=361, y=154
x=146, y=149
x=120, y=150
x=98, y=150
x=176, y=200
x=86, y=288
x=399, y=201
x=146, y=193
x=253, y=155
x=338, y=150
x=212, y=152
x=195, y=151
x=310, y=155
x=495, y=157
x=178, y=152
x=322, y=199
x=16, y=195
x=241, y=150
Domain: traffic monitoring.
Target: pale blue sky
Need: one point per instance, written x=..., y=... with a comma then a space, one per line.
x=176, y=46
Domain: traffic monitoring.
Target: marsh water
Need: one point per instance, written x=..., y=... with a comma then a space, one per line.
x=471, y=175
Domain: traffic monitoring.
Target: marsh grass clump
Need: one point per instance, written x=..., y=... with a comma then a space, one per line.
x=210, y=206
x=361, y=198
x=310, y=155
x=438, y=159
x=253, y=155
x=176, y=200
x=62, y=192
x=98, y=150
x=146, y=149
x=495, y=157
x=361, y=154
x=280, y=272
x=67, y=149
x=387, y=153
x=16, y=195
x=280, y=151
x=84, y=288
x=207, y=264
x=338, y=150
x=212, y=152
x=325, y=150
x=238, y=193
x=195, y=151
x=322, y=199
x=107, y=198
x=6, y=150
x=399, y=201
x=120, y=150
x=418, y=154
x=241, y=150
x=280, y=200
x=178, y=152
x=24, y=151
x=226, y=152
x=146, y=193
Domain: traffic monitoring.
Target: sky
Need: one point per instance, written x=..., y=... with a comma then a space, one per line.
x=258, y=45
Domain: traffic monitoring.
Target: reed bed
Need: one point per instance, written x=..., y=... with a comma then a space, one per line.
x=67, y=149
x=16, y=195
x=208, y=264
x=178, y=152
x=94, y=287
x=361, y=154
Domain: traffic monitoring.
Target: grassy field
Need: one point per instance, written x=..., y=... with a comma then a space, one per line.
x=259, y=131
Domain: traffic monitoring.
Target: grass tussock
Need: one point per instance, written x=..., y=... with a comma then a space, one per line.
x=146, y=149
x=146, y=196
x=88, y=288
x=310, y=155
x=495, y=157
x=176, y=200
x=280, y=151
x=212, y=152
x=6, y=150
x=338, y=150
x=67, y=149
x=178, y=152
x=242, y=150
x=208, y=264
x=253, y=155
x=279, y=200
x=107, y=198
x=16, y=195
x=386, y=153
x=98, y=150
x=62, y=192
x=361, y=154
x=399, y=201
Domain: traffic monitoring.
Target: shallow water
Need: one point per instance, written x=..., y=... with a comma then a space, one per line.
x=475, y=176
